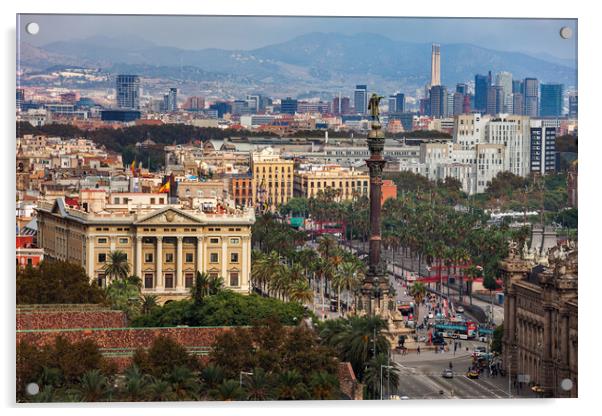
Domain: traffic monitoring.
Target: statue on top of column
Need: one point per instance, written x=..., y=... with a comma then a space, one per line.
x=373, y=107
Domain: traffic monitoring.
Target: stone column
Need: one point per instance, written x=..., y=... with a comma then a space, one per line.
x=179, y=284
x=199, y=255
x=225, y=260
x=112, y=239
x=564, y=338
x=90, y=258
x=160, y=285
x=139, y=256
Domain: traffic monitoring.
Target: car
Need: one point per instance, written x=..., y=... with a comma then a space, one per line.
x=479, y=351
x=404, y=398
x=460, y=309
x=431, y=316
x=472, y=374
x=447, y=373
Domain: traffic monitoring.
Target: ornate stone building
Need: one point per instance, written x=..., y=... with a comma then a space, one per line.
x=540, y=319
x=167, y=245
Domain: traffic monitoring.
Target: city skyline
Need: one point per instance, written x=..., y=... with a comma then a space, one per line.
x=537, y=37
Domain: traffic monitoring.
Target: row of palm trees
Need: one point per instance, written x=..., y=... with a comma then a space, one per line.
x=182, y=383
x=291, y=278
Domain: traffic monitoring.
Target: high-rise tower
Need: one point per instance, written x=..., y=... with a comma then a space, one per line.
x=128, y=91
x=436, y=65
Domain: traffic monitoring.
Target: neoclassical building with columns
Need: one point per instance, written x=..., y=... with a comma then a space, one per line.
x=165, y=244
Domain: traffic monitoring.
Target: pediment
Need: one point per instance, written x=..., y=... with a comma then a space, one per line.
x=168, y=216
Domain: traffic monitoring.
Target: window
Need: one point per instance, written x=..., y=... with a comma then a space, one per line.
x=161, y=200
x=168, y=257
x=233, y=257
x=123, y=241
x=102, y=257
x=152, y=201
x=29, y=262
x=213, y=275
x=148, y=280
x=213, y=258
x=116, y=201
x=148, y=257
x=189, y=258
x=234, y=241
x=102, y=241
x=234, y=279
x=188, y=279
x=169, y=280
x=101, y=280
x=214, y=240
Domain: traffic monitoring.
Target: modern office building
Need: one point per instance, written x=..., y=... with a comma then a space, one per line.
x=128, y=92
x=438, y=101
x=481, y=88
x=543, y=147
x=518, y=102
x=194, y=104
x=435, y=65
x=170, y=101
x=122, y=115
x=288, y=106
x=458, y=103
x=518, y=86
x=495, y=100
x=221, y=108
x=531, y=92
x=360, y=99
x=391, y=104
x=504, y=80
x=462, y=88
x=165, y=245
x=400, y=102
x=573, y=105
x=551, y=100
x=514, y=133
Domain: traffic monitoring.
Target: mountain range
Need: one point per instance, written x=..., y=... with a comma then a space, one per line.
x=314, y=61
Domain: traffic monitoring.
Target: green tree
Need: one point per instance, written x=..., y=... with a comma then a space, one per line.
x=117, y=266
x=290, y=386
x=418, y=291
x=228, y=390
x=148, y=303
x=323, y=386
x=55, y=282
x=93, y=387
x=496, y=341
x=372, y=379
x=162, y=357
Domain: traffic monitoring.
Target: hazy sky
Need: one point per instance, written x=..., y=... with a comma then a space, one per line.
x=535, y=36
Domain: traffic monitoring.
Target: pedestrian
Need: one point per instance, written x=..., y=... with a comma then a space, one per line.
x=418, y=350
x=451, y=366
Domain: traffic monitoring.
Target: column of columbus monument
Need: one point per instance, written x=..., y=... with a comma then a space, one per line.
x=375, y=286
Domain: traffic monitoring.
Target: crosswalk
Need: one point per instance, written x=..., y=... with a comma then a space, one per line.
x=429, y=385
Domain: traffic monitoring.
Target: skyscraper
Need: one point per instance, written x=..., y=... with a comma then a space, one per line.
x=517, y=86
x=170, y=100
x=573, y=105
x=360, y=99
x=435, y=65
x=551, y=100
x=504, y=80
x=480, y=95
x=543, y=147
x=400, y=102
x=392, y=104
x=288, y=106
x=518, y=101
x=495, y=100
x=345, y=105
x=531, y=92
x=128, y=91
x=458, y=103
x=438, y=101
x=462, y=89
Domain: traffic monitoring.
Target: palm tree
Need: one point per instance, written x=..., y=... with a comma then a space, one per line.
x=291, y=387
x=212, y=376
x=323, y=386
x=148, y=303
x=93, y=387
x=136, y=384
x=201, y=287
x=417, y=291
x=372, y=378
x=183, y=383
x=259, y=385
x=301, y=292
x=348, y=276
x=357, y=339
x=160, y=391
x=228, y=391
x=216, y=283
x=117, y=266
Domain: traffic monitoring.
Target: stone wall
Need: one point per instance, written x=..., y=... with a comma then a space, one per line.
x=348, y=383
x=57, y=319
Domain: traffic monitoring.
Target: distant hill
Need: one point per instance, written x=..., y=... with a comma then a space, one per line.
x=322, y=61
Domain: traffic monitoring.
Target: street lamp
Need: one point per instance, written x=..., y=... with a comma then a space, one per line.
x=381, y=378
x=247, y=373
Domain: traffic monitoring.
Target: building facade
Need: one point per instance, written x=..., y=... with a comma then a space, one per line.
x=345, y=183
x=165, y=246
x=128, y=92
x=551, y=100
x=540, y=343
x=360, y=99
x=272, y=183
